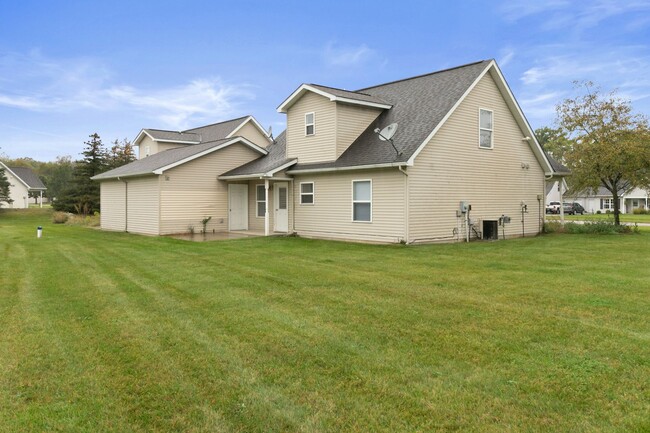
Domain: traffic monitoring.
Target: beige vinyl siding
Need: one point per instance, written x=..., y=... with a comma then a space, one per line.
x=256, y=223
x=351, y=121
x=331, y=214
x=147, y=141
x=113, y=205
x=191, y=192
x=143, y=205
x=321, y=146
x=163, y=145
x=452, y=167
x=18, y=192
x=250, y=132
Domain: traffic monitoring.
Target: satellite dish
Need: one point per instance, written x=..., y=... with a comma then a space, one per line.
x=388, y=132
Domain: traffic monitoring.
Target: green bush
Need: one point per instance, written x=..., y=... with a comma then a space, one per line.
x=640, y=211
x=552, y=227
x=59, y=217
x=598, y=227
x=598, y=212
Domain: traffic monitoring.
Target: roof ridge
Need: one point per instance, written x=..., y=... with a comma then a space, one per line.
x=424, y=75
x=168, y=130
x=218, y=123
x=338, y=88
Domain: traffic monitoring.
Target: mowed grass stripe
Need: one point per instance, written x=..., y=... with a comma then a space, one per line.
x=300, y=335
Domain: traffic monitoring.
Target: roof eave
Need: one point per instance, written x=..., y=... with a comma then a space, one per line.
x=347, y=168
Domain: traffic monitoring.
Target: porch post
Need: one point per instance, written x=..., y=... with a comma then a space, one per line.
x=266, y=210
x=41, y=199
x=560, y=186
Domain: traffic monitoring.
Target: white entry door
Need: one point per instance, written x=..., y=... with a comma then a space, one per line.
x=281, y=204
x=238, y=204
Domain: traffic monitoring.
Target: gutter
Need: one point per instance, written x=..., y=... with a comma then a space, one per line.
x=354, y=167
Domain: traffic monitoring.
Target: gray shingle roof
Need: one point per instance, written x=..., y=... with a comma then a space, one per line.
x=29, y=177
x=275, y=158
x=216, y=131
x=158, y=160
x=161, y=134
x=558, y=168
x=419, y=105
x=358, y=96
x=202, y=134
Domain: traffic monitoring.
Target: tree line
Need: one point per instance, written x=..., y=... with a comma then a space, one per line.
x=68, y=183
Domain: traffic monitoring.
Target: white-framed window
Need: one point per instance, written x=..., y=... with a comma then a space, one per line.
x=306, y=192
x=310, y=124
x=362, y=200
x=486, y=128
x=607, y=203
x=260, y=201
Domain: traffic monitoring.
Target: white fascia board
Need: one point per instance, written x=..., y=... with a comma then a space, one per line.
x=100, y=177
x=162, y=140
x=448, y=115
x=307, y=88
x=210, y=150
x=354, y=167
x=520, y=117
x=280, y=168
x=364, y=103
x=140, y=135
x=255, y=123
x=242, y=176
x=7, y=169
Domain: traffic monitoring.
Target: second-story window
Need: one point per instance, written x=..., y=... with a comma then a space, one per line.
x=485, y=140
x=310, y=124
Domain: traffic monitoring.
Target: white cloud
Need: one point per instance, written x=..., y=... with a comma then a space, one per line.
x=575, y=17
x=348, y=56
x=507, y=54
x=551, y=77
x=69, y=85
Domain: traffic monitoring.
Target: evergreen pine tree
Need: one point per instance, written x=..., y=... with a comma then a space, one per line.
x=4, y=187
x=83, y=195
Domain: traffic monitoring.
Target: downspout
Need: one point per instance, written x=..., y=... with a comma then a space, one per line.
x=266, y=210
x=126, y=204
x=406, y=199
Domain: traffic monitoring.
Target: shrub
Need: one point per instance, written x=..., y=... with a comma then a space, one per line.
x=598, y=212
x=640, y=211
x=59, y=217
x=552, y=227
x=605, y=227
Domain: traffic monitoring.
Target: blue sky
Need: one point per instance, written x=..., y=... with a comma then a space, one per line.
x=71, y=68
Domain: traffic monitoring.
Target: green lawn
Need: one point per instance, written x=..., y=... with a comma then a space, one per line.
x=111, y=332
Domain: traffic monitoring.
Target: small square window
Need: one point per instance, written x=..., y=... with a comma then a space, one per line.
x=310, y=124
x=307, y=193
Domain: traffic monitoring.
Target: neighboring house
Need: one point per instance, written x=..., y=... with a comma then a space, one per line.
x=462, y=156
x=601, y=200
x=22, y=181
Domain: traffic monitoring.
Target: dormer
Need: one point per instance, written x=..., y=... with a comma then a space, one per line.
x=322, y=121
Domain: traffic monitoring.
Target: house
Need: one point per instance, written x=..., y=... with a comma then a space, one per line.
x=22, y=181
x=601, y=200
x=439, y=157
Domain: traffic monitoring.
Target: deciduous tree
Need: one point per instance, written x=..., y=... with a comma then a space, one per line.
x=610, y=144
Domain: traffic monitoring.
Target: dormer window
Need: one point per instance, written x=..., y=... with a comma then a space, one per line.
x=310, y=124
